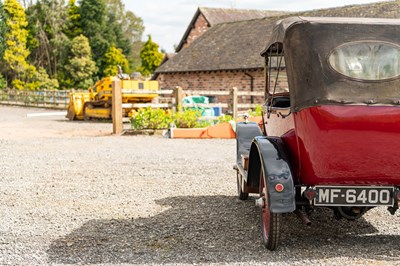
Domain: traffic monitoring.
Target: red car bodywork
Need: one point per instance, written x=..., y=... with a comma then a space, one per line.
x=343, y=145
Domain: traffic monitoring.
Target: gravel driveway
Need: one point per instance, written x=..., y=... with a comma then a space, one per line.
x=71, y=193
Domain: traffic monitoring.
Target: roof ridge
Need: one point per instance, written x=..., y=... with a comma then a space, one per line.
x=373, y=2
x=241, y=9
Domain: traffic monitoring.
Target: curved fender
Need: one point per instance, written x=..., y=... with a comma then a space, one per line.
x=245, y=133
x=268, y=153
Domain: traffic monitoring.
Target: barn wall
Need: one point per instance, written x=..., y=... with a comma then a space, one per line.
x=219, y=80
x=200, y=26
x=215, y=81
x=212, y=80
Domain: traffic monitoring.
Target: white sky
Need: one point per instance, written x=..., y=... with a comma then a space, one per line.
x=167, y=20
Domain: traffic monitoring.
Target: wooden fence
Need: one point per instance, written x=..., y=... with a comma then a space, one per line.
x=168, y=99
x=59, y=99
x=172, y=99
x=56, y=99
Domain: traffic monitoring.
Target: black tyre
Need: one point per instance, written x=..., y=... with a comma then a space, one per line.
x=270, y=222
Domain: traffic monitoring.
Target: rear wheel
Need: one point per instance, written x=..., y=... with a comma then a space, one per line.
x=270, y=222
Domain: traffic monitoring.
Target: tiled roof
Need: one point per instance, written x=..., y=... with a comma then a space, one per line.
x=225, y=46
x=237, y=45
x=216, y=16
x=388, y=9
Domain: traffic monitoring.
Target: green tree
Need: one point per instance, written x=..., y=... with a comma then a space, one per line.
x=93, y=21
x=3, y=32
x=80, y=67
x=106, y=24
x=112, y=59
x=133, y=28
x=130, y=30
x=3, y=82
x=33, y=30
x=114, y=33
x=46, y=39
x=125, y=32
x=42, y=81
x=134, y=58
x=3, y=29
x=150, y=56
x=73, y=27
x=20, y=72
x=115, y=19
x=115, y=7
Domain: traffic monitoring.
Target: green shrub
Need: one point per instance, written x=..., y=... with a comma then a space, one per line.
x=187, y=119
x=257, y=111
x=149, y=118
x=204, y=123
x=224, y=119
x=17, y=84
x=3, y=82
x=43, y=81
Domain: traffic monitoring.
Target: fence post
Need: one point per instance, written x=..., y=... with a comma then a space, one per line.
x=234, y=95
x=54, y=98
x=116, y=111
x=178, y=98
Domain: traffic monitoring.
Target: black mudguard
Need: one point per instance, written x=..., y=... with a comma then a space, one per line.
x=245, y=133
x=268, y=153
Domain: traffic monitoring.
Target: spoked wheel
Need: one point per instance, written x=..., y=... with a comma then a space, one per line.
x=241, y=194
x=270, y=222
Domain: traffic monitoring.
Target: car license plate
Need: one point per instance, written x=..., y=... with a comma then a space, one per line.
x=354, y=196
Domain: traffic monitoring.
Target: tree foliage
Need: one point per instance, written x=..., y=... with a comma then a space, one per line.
x=38, y=44
x=47, y=40
x=129, y=33
x=44, y=82
x=114, y=58
x=73, y=27
x=133, y=28
x=15, y=56
x=93, y=21
x=81, y=67
x=151, y=57
x=16, y=52
x=3, y=29
x=115, y=7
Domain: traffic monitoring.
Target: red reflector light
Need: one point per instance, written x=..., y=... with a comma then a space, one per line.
x=279, y=187
x=310, y=194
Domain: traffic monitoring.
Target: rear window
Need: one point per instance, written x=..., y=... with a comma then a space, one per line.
x=366, y=60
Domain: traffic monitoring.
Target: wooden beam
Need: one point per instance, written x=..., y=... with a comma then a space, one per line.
x=144, y=105
x=204, y=92
x=234, y=103
x=178, y=98
x=117, y=107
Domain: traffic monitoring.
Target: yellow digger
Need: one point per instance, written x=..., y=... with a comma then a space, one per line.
x=96, y=103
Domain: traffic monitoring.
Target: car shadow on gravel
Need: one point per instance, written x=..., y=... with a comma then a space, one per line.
x=218, y=229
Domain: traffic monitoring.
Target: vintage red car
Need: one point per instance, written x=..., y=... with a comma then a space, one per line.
x=331, y=137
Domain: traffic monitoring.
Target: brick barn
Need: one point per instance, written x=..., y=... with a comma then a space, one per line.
x=221, y=47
